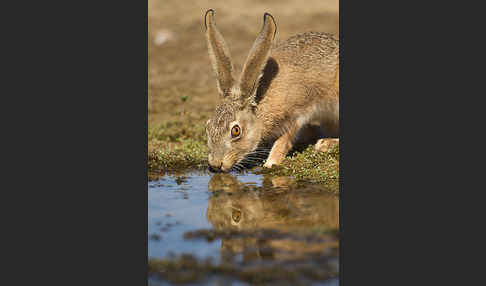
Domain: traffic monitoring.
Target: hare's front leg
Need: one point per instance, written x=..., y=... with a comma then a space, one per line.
x=280, y=148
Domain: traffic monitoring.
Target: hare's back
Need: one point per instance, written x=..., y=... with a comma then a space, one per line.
x=300, y=79
x=309, y=50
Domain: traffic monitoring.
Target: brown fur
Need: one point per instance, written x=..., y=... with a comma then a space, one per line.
x=282, y=88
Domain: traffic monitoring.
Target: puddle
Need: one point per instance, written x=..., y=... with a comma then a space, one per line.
x=241, y=229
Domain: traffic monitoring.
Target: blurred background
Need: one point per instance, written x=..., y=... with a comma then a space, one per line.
x=181, y=83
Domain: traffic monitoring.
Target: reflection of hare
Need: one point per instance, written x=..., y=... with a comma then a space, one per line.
x=281, y=89
x=240, y=209
x=233, y=208
x=289, y=211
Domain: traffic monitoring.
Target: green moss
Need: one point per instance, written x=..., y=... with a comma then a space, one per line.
x=185, y=154
x=177, y=145
x=310, y=165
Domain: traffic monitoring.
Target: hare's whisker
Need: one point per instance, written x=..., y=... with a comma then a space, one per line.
x=253, y=160
x=257, y=155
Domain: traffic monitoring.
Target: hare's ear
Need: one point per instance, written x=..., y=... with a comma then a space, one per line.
x=258, y=56
x=219, y=55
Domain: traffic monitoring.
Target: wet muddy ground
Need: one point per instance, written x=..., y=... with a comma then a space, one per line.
x=241, y=229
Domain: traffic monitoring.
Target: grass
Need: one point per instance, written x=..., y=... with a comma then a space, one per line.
x=310, y=165
x=177, y=145
x=186, y=154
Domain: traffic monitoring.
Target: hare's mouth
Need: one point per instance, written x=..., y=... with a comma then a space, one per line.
x=248, y=161
x=214, y=170
x=220, y=169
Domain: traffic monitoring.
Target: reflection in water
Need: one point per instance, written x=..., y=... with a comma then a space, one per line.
x=280, y=205
x=266, y=230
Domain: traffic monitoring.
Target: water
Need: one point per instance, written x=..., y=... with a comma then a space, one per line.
x=244, y=221
x=174, y=207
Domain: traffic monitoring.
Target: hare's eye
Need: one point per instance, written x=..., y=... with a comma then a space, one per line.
x=235, y=131
x=236, y=216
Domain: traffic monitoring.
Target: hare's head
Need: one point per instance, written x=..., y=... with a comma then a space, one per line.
x=234, y=131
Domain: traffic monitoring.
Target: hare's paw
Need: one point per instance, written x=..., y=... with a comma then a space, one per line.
x=269, y=164
x=280, y=148
x=276, y=156
x=273, y=160
x=324, y=145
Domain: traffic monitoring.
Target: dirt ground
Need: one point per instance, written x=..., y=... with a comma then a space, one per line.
x=181, y=82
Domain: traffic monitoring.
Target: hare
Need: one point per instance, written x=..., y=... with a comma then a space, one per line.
x=281, y=88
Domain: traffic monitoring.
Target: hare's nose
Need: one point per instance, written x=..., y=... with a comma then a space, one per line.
x=215, y=168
